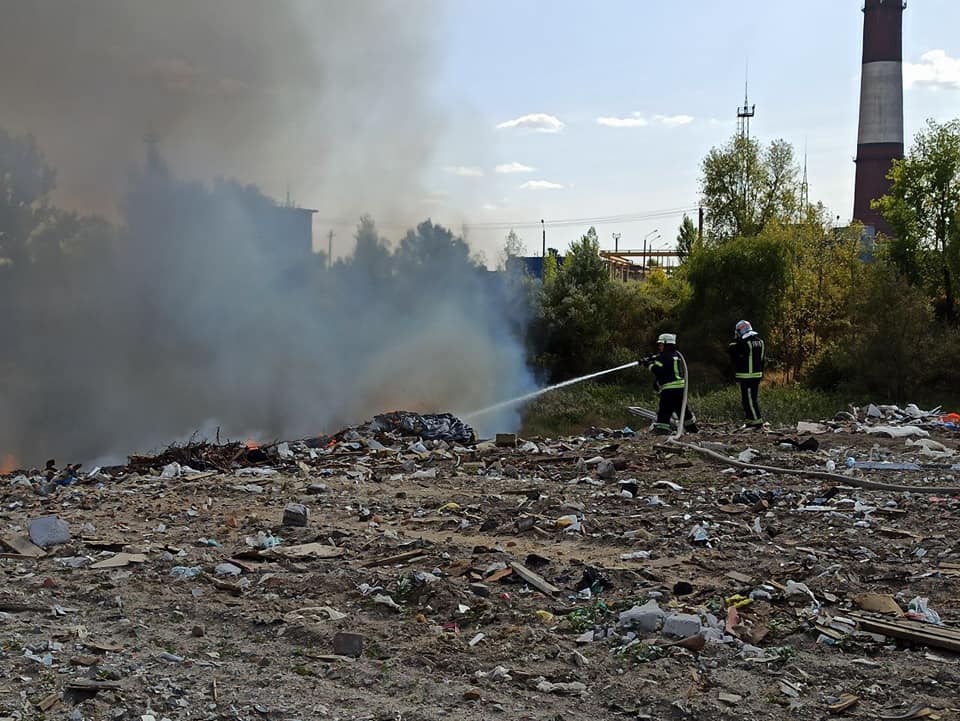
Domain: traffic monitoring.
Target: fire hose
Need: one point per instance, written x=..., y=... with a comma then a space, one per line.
x=837, y=477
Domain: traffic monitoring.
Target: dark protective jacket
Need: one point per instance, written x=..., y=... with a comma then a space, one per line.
x=748, y=356
x=667, y=369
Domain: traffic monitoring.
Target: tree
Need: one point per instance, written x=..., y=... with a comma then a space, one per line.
x=686, y=238
x=823, y=269
x=923, y=210
x=745, y=186
x=26, y=182
x=513, y=247
x=371, y=256
x=570, y=333
x=742, y=278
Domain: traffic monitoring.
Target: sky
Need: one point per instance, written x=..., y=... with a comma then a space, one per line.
x=564, y=110
x=484, y=115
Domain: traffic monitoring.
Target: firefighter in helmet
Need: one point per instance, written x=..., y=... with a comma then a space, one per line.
x=670, y=381
x=748, y=351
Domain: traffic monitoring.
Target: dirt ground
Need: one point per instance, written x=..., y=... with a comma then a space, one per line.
x=440, y=612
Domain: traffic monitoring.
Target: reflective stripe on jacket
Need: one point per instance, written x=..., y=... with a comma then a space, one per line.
x=668, y=370
x=748, y=357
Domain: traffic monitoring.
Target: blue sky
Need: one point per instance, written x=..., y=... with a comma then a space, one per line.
x=669, y=77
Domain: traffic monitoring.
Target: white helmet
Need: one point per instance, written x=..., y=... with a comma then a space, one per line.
x=744, y=329
x=667, y=338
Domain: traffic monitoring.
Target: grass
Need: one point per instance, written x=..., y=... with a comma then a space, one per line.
x=574, y=409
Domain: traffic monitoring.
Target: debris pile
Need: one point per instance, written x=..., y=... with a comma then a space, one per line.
x=382, y=573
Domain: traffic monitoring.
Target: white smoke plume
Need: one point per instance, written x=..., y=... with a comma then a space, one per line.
x=192, y=310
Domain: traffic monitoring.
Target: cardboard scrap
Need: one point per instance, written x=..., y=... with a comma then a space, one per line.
x=119, y=560
x=878, y=602
x=21, y=546
x=918, y=711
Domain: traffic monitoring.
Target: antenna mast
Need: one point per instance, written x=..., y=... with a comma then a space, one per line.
x=747, y=111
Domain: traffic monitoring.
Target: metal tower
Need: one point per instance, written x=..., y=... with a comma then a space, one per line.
x=880, y=137
x=744, y=114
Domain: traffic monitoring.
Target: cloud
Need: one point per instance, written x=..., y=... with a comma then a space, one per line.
x=541, y=185
x=936, y=70
x=514, y=168
x=541, y=122
x=673, y=121
x=436, y=197
x=637, y=120
x=465, y=171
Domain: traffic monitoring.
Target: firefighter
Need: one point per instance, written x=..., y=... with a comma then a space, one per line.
x=747, y=352
x=670, y=381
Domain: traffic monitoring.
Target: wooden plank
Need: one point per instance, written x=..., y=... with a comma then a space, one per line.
x=306, y=550
x=498, y=575
x=534, y=579
x=90, y=684
x=909, y=630
x=17, y=607
x=389, y=560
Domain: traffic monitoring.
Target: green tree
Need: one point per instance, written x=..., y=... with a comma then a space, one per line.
x=923, y=210
x=551, y=268
x=513, y=247
x=26, y=182
x=570, y=335
x=686, y=238
x=742, y=278
x=823, y=267
x=884, y=353
x=745, y=186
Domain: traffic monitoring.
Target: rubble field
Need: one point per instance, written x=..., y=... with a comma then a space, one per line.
x=380, y=575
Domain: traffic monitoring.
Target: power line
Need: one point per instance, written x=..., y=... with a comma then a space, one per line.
x=595, y=220
x=634, y=217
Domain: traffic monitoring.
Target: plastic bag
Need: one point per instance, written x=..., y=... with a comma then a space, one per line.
x=918, y=610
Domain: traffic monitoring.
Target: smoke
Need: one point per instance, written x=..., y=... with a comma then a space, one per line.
x=201, y=306
x=328, y=98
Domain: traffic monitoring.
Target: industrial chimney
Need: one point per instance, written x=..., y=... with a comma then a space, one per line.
x=880, y=139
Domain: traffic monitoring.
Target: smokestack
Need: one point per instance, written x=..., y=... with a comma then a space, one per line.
x=880, y=138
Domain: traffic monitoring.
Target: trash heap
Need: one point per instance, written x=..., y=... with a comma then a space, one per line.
x=382, y=573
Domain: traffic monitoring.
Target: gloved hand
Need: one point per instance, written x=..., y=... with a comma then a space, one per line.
x=647, y=360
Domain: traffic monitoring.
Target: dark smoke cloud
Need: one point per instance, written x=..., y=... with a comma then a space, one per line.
x=192, y=312
x=331, y=98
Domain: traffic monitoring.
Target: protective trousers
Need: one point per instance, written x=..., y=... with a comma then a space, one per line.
x=671, y=400
x=749, y=390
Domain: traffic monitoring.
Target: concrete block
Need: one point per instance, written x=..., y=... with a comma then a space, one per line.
x=681, y=625
x=606, y=470
x=348, y=644
x=647, y=617
x=296, y=514
x=48, y=531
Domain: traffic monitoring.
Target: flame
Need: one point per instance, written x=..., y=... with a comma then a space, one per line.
x=251, y=445
x=8, y=463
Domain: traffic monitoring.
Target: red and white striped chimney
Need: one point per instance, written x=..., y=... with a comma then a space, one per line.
x=880, y=138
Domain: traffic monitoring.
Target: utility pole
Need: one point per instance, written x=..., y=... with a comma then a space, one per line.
x=543, y=226
x=616, y=242
x=700, y=224
x=330, y=249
